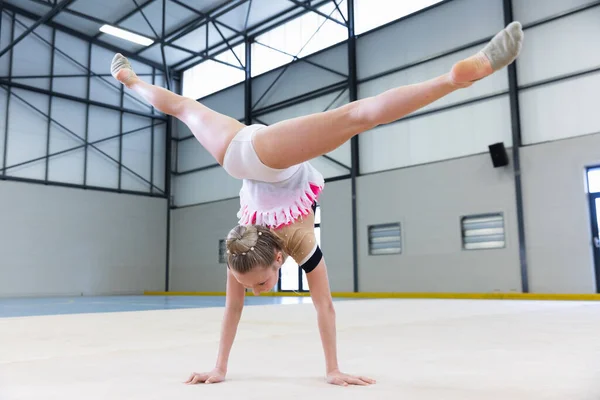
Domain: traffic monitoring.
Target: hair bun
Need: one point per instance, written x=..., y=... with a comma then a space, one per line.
x=242, y=239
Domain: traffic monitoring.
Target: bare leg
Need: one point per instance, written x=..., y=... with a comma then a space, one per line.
x=293, y=141
x=212, y=129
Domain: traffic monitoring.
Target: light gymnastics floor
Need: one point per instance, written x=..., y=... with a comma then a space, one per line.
x=416, y=349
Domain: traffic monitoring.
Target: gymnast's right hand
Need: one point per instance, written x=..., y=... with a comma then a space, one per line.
x=214, y=376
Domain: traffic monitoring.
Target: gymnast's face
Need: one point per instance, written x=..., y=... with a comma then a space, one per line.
x=262, y=278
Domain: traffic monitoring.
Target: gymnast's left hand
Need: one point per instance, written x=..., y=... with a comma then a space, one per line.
x=338, y=378
x=215, y=376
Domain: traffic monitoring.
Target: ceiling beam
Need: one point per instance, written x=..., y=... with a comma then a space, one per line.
x=46, y=17
x=263, y=27
x=315, y=10
x=83, y=36
x=208, y=16
x=203, y=15
x=294, y=11
x=93, y=19
x=147, y=20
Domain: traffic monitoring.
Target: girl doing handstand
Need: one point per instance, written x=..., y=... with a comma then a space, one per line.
x=280, y=187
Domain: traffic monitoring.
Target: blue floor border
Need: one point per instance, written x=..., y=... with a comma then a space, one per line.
x=40, y=306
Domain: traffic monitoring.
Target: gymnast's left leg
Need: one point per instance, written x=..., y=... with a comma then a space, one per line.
x=293, y=141
x=212, y=129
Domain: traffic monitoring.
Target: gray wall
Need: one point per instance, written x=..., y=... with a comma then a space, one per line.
x=557, y=216
x=59, y=241
x=428, y=201
x=70, y=241
x=559, y=128
x=336, y=234
x=195, y=235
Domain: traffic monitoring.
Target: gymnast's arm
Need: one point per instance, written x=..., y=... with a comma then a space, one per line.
x=321, y=295
x=234, y=304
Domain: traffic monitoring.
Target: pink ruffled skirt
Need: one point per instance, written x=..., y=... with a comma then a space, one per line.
x=281, y=203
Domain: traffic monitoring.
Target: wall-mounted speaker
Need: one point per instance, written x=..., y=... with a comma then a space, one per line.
x=499, y=155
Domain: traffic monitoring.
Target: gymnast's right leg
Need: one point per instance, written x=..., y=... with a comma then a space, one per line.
x=299, y=139
x=212, y=129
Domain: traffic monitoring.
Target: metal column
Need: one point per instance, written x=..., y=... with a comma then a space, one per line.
x=516, y=147
x=355, y=171
x=248, y=83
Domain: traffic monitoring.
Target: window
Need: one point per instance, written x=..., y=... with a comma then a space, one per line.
x=292, y=277
x=222, y=251
x=369, y=14
x=594, y=180
x=483, y=232
x=211, y=76
x=299, y=37
x=385, y=239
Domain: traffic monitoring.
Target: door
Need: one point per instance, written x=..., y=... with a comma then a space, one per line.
x=594, y=194
x=595, y=205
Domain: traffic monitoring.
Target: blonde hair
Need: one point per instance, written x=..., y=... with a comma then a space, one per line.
x=249, y=246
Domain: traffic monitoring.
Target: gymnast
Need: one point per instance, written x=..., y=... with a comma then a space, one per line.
x=280, y=188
